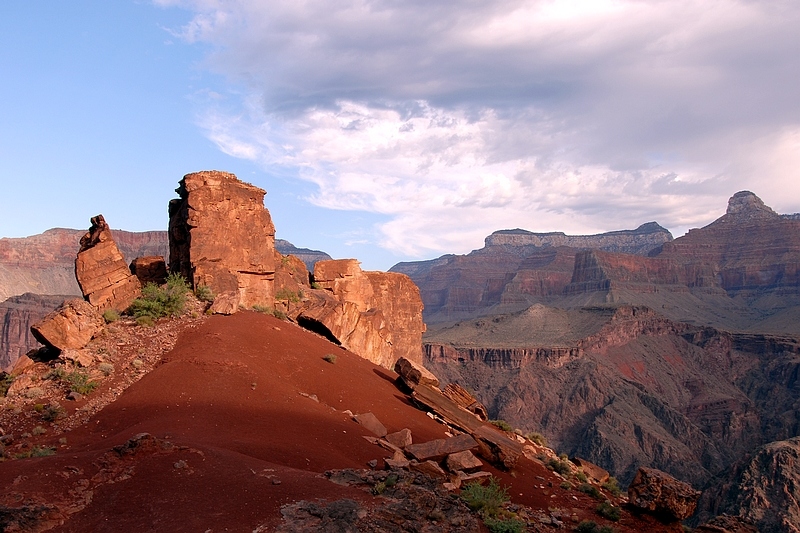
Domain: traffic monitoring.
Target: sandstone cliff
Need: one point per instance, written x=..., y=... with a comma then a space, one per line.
x=222, y=237
x=377, y=315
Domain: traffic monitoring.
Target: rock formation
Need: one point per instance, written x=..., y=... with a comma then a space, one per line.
x=71, y=326
x=307, y=256
x=101, y=270
x=150, y=269
x=662, y=495
x=515, y=269
x=222, y=237
x=377, y=315
x=17, y=315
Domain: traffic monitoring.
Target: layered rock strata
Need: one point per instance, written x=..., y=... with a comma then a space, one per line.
x=71, y=326
x=222, y=237
x=377, y=315
x=101, y=270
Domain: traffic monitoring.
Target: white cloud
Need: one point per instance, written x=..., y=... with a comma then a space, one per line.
x=459, y=119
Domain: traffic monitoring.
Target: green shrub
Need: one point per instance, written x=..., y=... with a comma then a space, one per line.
x=485, y=499
x=508, y=525
x=38, y=430
x=580, y=476
x=41, y=451
x=106, y=368
x=591, y=490
x=566, y=485
x=204, y=293
x=606, y=529
x=560, y=466
x=502, y=424
x=79, y=382
x=606, y=510
x=538, y=438
x=110, y=315
x=329, y=358
x=612, y=486
x=289, y=296
x=5, y=383
x=53, y=412
x=160, y=301
x=587, y=526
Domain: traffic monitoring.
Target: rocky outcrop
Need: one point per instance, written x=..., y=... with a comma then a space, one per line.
x=659, y=493
x=377, y=315
x=101, y=271
x=71, y=326
x=17, y=315
x=150, y=269
x=307, y=256
x=762, y=490
x=638, y=241
x=222, y=237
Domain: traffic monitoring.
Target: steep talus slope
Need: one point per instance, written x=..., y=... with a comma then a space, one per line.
x=632, y=388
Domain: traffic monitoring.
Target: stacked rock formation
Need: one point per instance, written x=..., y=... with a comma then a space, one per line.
x=377, y=315
x=222, y=237
x=101, y=271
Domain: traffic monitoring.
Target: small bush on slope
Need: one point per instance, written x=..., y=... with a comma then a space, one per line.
x=159, y=301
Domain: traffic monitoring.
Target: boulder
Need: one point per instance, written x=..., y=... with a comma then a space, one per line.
x=438, y=449
x=377, y=315
x=150, y=269
x=462, y=397
x=401, y=438
x=226, y=303
x=71, y=326
x=103, y=276
x=429, y=468
x=659, y=493
x=371, y=423
x=222, y=237
x=414, y=374
x=595, y=472
x=463, y=461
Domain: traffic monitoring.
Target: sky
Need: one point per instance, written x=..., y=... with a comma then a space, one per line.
x=391, y=130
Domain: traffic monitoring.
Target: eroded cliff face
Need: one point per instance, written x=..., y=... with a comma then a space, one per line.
x=377, y=315
x=636, y=388
x=222, y=237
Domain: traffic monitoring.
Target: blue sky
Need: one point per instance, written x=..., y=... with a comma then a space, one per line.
x=391, y=131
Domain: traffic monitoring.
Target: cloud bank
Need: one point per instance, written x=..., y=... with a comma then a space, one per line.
x=455, y=119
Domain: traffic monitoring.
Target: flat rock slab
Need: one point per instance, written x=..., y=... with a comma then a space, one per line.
x=464, y=461
x=414, y=374
x=595, y=472
x=370, y=422
x=71, y=326
x=429, y=468
x=401, y=438
x=440, y=448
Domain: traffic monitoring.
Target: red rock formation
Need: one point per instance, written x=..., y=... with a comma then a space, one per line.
x=377, y=315
x=71, y=326
x=101, y=271
x=663, y=495
x=17, y=315
x=222, y=237
x=150, y=269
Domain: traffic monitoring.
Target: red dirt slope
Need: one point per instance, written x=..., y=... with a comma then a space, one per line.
x=244, y=415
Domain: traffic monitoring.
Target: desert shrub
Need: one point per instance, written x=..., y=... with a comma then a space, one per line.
x=204, y=293
x=485, y=499
x=587, y=526
x=591, y=490
x=110, y=315
x=145, y=321
x=53, y=412
x=612, y=486
x=566, y=485
x=79, y=382
x=34, y=392
x=508, y=525
x=289, y=296
x=502, y=424
x=137, y=364
x=277, y=313
x=38, y=430
x=41, y=451
x=606, y=510
x=580, y=476
x=559, y=465
x=315, y=285
x=563, y=457
x=538, y=438
x=106, y=368
x=55, y=374
x=159, y=301
x=5, y=383
x=331, y=358
x=606, y=529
